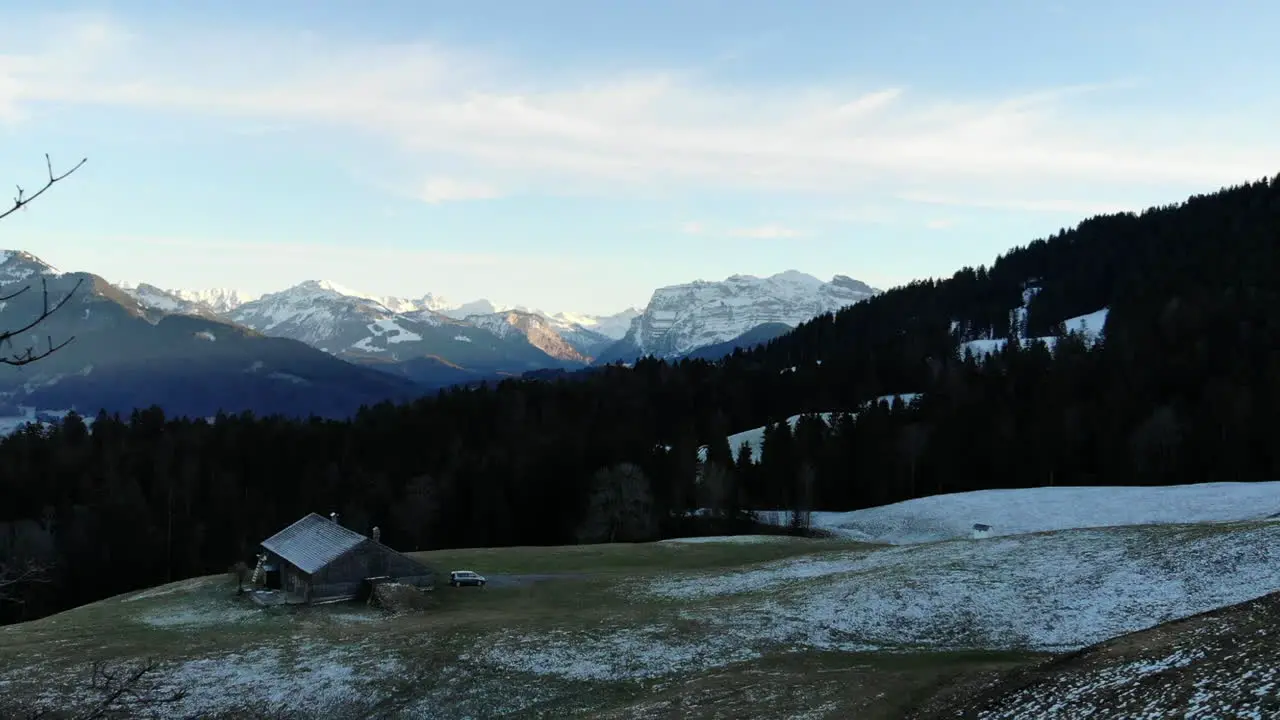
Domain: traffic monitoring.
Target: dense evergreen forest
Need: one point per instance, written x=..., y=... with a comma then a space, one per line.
x=1183, y=387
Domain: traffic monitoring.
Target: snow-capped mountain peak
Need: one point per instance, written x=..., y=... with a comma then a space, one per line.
x=611, y=326
x=314, y=310
x=220, y=300
x=443, y=306
x=215, y=301
x=327, y=288
x=19, y=266
x=681, y=318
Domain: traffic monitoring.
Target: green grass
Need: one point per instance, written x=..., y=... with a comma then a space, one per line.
x=629, y=558
x=584, y=640
x=587, y=593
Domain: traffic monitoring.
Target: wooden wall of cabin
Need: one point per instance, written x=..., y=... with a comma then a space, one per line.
x=342, y=577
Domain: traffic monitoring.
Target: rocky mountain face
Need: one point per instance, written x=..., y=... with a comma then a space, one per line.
x=123, y=355
x=214, y=302
x=570, y=343
x=679, y=319
x=219, y=300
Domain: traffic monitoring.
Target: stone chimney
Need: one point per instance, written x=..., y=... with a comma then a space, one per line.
x=377, y=534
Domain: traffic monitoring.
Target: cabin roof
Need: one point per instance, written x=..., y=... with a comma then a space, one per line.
x=312, y=542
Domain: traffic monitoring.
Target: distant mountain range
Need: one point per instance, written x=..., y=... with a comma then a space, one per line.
x=126, y=355
x=321, y=348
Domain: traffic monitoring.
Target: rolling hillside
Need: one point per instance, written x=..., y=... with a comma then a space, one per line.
x=687, y=628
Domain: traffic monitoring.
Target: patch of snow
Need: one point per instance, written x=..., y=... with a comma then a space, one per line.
x=735, y=539
x=1034, y=510
x=1090, y=325
x=301, y=678
x=1205, y=680
x=1055, y=591
x=394, y=333
x=462, y=338
x=754, y=438
x=288, y=377
x=622, y=653
x=367, y=346
x=206, y=335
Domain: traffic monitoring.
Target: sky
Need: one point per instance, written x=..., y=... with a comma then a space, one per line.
x=574, y=155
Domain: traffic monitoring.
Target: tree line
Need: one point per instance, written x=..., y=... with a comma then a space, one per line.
x=1182, y=386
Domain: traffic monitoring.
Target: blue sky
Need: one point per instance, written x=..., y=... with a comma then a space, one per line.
x=576, y=155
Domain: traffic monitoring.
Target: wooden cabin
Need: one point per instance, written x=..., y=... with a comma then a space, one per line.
x=316, y=559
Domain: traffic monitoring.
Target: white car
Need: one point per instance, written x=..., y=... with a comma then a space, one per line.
x=458, y=578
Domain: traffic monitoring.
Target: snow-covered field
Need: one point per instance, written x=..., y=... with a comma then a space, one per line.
x=1034, y=510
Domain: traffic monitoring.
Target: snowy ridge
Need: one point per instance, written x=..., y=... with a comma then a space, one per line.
x=152, y=297
x=682, y=318
x=614, y=326
x=313, y=312
x=18, y=266
x=219, y=300
x=542, y=334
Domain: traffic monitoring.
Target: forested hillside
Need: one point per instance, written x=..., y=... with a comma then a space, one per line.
x=1183, y=387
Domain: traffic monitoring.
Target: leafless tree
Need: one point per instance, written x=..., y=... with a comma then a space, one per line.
x=802, y=501
x=121, y=690
x=620, y=508
x=30, y=354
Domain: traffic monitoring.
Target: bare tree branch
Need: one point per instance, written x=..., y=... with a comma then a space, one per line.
x=12, y=576
x=30, y=354
x=125, y=690
x=22, y=199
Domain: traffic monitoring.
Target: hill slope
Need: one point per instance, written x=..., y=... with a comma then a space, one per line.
x=758, y=335
x=1223, y=663
x=669, y=629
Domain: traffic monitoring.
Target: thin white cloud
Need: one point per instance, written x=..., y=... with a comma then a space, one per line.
x=392, y=269
x=1013, y=201
x=765, y=232
x=940, y=224
x=442, y=190
x=691, y=228
x=508, y=125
